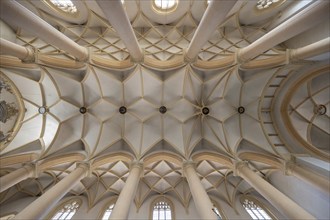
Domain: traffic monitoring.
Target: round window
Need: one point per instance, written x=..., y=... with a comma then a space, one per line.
x=165, y=6
x=66, y=6
x=264, y=4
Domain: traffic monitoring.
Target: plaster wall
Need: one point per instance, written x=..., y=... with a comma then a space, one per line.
x=305, y=195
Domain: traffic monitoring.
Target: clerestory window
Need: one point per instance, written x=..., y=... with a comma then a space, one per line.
x=216, y=211
x=65, y=6
x=254, y=210
x=165, y=6
x=66, y=210
x=162, y=210
x=107, y=212
x=264, y=4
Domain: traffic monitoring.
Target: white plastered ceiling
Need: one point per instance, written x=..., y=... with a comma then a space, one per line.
x=143, y=131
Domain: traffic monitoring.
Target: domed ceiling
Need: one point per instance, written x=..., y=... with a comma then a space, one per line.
x=179, y=111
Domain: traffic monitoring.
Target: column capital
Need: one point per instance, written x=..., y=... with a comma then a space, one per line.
x=137, y=164
x=33, y=168
x=287, y=167
x=292, y=55
x=238, y=57
x=187, y=59
x=141, y=59
x=87, y=166
x=288, y=164
x=238, y=165
x=186, y=165
x=89, y=56
x=32, y=55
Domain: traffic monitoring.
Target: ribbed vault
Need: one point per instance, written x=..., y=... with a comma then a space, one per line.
x=109, y=111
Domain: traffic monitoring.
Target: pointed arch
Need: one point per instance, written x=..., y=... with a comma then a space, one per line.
x=162, y=208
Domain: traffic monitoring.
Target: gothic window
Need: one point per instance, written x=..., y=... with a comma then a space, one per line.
x=254, y=210
x=107, y=212
x=162, y=209
x=65, y=6
x=217, y=210
x=66, y=210
x=263, y=4
x=165, y=5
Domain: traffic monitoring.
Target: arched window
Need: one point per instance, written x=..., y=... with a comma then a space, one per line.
x=162, y=209
x=165, y=6
x=217, y=210
x=107, y=212
x=66, y=210
x=253, y=207
x=264, y=4
x=66, y=6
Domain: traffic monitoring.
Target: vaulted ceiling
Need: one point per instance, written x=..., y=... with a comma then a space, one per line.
x=239, y=100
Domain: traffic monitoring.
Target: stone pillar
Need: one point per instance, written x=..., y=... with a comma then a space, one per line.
x=117, y=17
x=311, y=50
x=39, y=208
x=280, y=201
x=126, y=196
x=201, y=199
x=308, y=176
x=17, y=176
x=14, y=13
x=214, y=15
x=9, y=48
x=302, y=21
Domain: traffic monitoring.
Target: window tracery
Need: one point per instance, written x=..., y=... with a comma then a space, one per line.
x=165, y=6
x=65, y=5
x=263, y=4
x=254, y=210
x=162, y=209
x=66, y=210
